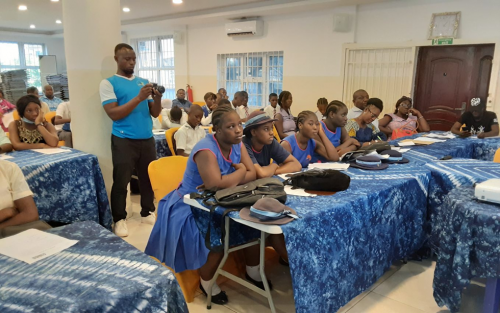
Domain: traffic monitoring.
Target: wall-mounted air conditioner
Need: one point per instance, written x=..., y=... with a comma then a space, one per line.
x=246, y=28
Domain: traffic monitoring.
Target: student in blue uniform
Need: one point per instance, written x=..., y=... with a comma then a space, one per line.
x=302, y=145
x=217, y=161
x=333, y=125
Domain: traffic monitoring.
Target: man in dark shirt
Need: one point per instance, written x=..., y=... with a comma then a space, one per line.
x=477, y=121
x=262, y=147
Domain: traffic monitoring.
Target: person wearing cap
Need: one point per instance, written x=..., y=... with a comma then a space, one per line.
x=477, y=121
x=262, y=147
x=362, y=128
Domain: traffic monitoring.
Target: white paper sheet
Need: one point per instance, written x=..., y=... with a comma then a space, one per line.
x=427, y=139
x=404, y=150
x=297, y=192
x=52, y=151
x=33, y=245
x=333, y=166
x=5, y=157
x=447, y=135
x=406, y=143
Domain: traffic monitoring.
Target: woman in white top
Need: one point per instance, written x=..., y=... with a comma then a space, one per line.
x=285, y=124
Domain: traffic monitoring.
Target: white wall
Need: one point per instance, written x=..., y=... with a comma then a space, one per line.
x=54, y=45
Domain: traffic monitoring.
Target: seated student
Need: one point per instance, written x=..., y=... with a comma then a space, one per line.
x=362, y=129
x=219, y=98
x=477, y=121
x=303, y=146
x=18, y=210
x=404, y=118
x=62, y=124
x=285, y=124
x=208, y=108
x=243, y=110
x=262, y=147
x=34, y=92
x=321, y=104
x=49, y=98
x=217, y=161
x=238, y=99
x=273, y=106
x=181, y=101
x=5, y=107
x=333, y=125
x=223, y=93
x=174, y=117
x=5, y=144
x=32, y=131
x=190, y=133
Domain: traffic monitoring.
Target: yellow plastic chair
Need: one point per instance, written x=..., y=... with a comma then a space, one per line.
x=276, y=135
x=169, y=134
x=15, y=115
x=49, y=116
x=165, y=175
x=199, y=103
x=160, y=118
x=496, y=158
x=210, y=129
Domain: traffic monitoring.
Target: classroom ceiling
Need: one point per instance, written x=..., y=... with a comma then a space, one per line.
x=44, y=13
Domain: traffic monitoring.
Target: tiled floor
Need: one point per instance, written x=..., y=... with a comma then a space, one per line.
x=404, y=288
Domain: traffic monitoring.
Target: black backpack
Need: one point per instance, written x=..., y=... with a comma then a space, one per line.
x=235, y=198
x=320, y=180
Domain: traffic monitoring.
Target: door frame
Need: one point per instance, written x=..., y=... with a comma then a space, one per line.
x=493, y=102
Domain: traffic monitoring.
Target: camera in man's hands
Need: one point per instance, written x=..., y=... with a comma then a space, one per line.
x=160, y=88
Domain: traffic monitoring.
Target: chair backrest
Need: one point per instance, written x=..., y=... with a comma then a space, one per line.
x=160, y=118
x=166, y=174
x=276, y=135
x=210, y=129
x=15, y=115
x=496, y=158
x=199, y=103
x=169, y=134
x=49, y=116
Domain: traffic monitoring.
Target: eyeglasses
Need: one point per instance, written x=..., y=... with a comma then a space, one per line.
x=373, y=115
x=406, y=105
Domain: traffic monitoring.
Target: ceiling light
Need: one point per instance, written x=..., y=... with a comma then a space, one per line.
x=177, y=1
x=22, y=7
x=32, y=26
x=58, y=22
x=125, y=9
x=54, y=0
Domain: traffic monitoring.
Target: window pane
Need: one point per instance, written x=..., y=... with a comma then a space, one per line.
x=147, y=53
x=167, y=52
x=150, y=75
x=167, y=80
x=233, y=67
x=254, y=67
x=31, y=53
x=9, y=54
x=231, y=88
x=254, y=93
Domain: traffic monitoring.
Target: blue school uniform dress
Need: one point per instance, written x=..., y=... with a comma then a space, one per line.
x=334, y=138
x=175, y=238
x=304, y=156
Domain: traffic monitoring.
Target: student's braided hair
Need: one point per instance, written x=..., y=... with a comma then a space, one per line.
x=218, y=114
x=302, y=117
x=322, y=101
x=334, y=107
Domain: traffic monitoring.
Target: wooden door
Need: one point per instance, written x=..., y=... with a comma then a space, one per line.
x=447, y=78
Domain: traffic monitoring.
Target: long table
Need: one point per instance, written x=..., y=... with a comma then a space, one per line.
x=101, y=273
x=67, y=187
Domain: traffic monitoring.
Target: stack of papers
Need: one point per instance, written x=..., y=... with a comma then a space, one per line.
x=14, y=84
x=426, y=140
x=405, y=143
x=330, y=166
x=33, y=245
x=52, y=151
x=447, y=135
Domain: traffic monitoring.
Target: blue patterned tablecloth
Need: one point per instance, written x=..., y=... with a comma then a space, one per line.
x=162, y=149
x=101, y=273
x=465, y=148
x=447, y=176
x=469, y=244
x=67, y=187
x=343, y=243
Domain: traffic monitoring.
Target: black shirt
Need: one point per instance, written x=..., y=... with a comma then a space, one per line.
x=477, y=127
x=273, y=151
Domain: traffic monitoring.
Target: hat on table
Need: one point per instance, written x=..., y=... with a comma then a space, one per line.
x=268, y=211
x=394, y=157
x=369, y=162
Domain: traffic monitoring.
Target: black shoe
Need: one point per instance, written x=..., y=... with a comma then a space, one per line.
x=258, y=283
x=283, y=262
x=220, y=298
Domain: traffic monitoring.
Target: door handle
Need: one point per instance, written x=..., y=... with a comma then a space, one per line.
x=462, y=109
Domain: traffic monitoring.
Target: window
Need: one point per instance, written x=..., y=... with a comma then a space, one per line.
x=15, y=56
x=259, y=74
x=155, y=62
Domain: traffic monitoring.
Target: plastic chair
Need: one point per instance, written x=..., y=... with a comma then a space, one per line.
x=496, y=158
x=199, y=103
x=15, y=115
x=49, y=116
x=165, y=175
x=210, y=129
x=169, y=134
x=160, y=118
x=276, y=135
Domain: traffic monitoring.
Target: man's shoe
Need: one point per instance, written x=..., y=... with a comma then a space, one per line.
x=121, y=229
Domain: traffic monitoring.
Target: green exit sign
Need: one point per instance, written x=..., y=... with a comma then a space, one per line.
x=442, y=41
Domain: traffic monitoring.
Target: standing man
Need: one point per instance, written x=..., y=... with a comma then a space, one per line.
x=128, y=102
x=49, y=98
x=181, y=101
x=360, y=99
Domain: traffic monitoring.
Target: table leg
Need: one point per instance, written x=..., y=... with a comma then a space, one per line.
x=263, y=273
x=492, y=296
